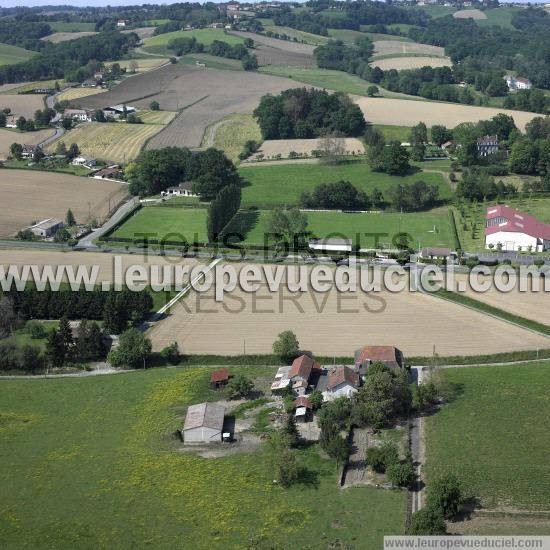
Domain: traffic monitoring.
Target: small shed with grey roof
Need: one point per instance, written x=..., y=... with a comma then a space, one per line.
x=203, y=423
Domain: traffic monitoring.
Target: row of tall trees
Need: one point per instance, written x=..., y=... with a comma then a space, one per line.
x=221, y=211
x=117, y=310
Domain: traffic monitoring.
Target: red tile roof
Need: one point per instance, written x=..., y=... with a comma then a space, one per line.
x=341, y=375
x=302, y=367
x=516, y=222
x=302, y=401
x=378, y=353
x=220, y=375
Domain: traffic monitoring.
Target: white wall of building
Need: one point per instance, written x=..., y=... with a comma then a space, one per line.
x=512, y=241
x=342, y=390
x=202, y=435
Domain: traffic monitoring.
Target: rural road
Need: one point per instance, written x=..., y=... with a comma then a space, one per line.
x=124, y=210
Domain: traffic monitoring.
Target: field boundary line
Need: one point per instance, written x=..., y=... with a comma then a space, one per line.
x=493, y=315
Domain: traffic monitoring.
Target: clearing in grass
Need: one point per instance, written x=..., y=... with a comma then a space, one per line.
x=165, y=222
x=231, y=133
x=272, y=184
x=156, y=117
x=180, y=496
x=494, y=436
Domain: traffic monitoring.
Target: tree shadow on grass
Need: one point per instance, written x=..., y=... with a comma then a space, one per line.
x=308, y=478
x=239, y=227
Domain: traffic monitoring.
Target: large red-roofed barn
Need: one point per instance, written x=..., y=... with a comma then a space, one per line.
x=509, y=229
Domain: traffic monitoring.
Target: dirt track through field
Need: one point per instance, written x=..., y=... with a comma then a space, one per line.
x=31, y=195
x=401, y=112
x=207, y=96
x=336, y=324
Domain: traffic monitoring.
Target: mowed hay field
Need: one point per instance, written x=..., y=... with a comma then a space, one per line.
x=142, y=64
x=58, y=37
x=7, y=137
x=469, y=14
x=22, y=105
x=115, y=142
x=284, y=147
x=231, y=133
x=494, y=436
x=30, y=195
x=118, y=477
x=393, y=47
x=208, y=96
x=416, y=62
x=335, y=323
x=76, y=93
x=401, y=112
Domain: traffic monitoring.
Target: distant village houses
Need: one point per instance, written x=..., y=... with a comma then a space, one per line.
x=487, y=145
x=515, y=83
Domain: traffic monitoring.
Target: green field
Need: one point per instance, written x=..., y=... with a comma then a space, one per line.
x=13, y=54
x=161, y=222
x=283, y=184
x=345, y=35
x=501, y=16
x=332, y=80
x=301, y=36
x=90, y=463
x=395, y=133
x=78, y=26
x=158, y=44
x=436, y=11
x=494, y=436
x=433, y=228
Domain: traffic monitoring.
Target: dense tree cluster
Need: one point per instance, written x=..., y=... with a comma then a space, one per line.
x=477, y=185
x=115, y=309
x=340, y=195
x=75, y=60
x=156, y=170
x=25, y=34
x=184, y=44
x=308, y=113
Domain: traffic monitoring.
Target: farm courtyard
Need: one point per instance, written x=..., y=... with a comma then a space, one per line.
x=116, y=479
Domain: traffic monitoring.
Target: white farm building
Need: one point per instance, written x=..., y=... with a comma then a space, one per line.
x=508, y=229
x=203, y=423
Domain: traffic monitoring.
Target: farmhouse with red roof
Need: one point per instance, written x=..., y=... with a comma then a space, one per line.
x=509, y=229
x=389, y=355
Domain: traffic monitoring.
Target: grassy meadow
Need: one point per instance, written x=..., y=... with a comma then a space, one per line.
x=158, y=44
x=165, y=222
x=115, y=480
x=494, y=435
x=433, y=228
x=10, y=55
x=76, y=26
x=283, y=184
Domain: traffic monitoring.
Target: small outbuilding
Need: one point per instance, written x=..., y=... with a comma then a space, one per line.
x=203, y=423
x=219, y=378
x=47, y=228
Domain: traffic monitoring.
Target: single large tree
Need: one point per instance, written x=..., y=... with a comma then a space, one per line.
x=286, y=347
